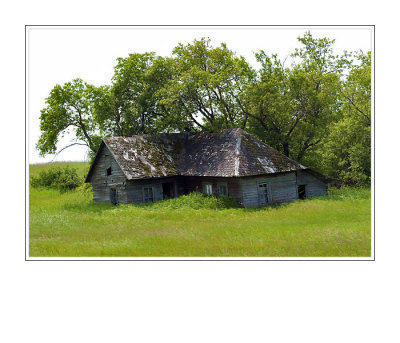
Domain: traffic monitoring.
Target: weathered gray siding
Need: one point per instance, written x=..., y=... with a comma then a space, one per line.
x=314, y=186
x=101, y=183
x=281, y=188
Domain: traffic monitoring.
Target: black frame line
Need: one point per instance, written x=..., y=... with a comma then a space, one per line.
x=177, y=259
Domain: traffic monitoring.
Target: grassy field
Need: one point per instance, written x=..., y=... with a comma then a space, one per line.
x=70, y=224
x=81, y=167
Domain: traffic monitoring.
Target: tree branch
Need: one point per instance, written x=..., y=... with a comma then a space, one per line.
x=68, y=146
x=357, y=109
x=82, y=126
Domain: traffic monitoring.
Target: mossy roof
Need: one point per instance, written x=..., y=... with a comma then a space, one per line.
x=231, y=153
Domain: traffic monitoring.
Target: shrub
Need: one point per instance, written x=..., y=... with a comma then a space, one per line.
x=63, y=179
x=85, y=188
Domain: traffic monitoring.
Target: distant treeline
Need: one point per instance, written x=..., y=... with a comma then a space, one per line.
x=317, y=110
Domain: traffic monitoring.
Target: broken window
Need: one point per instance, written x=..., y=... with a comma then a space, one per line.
x=223, y=189
x=207, y=188
x=148, y=194
x=108, y=171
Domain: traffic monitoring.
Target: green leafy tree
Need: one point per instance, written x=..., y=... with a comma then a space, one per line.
x=122, y=109
x=268, y=104
x=313, y=110
x=206, y=90
x=68, y=107
x=291, y=108
x=357, y=88
x=130, y=105
x=346, y=152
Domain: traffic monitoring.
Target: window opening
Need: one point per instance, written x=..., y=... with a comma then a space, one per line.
x=222, y=189
x=208, y=188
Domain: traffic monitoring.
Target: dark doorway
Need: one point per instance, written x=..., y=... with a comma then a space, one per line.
x=113, y=196
x=168, y=190
x=301, y=190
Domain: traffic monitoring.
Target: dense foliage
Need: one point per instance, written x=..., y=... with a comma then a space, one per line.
x=317, y=110
x=64, y=179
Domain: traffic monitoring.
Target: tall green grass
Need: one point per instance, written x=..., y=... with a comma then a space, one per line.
x=70, y=224
x=195, y=200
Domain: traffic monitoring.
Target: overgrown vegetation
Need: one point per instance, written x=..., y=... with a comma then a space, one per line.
x=61, y=178
x=71, y=224
x=195, y=200
x=316, y=109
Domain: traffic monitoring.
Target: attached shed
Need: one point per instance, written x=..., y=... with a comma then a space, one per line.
x=233, y=163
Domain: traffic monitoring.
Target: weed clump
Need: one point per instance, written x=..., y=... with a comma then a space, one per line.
x=63, y=179
x=195, y=200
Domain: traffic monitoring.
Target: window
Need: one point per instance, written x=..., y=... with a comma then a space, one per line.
x=207, y=188
x=148, y=194
x=223, y=189
x=108, y=171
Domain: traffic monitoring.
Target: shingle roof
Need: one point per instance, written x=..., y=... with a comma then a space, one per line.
x=232, y=153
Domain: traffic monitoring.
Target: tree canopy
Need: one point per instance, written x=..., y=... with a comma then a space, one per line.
x=317, y=110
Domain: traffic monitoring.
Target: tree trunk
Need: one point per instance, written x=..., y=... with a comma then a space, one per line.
x=285, y=148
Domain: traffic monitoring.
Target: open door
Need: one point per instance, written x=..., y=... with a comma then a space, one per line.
x=113, y=196
x=301, y=190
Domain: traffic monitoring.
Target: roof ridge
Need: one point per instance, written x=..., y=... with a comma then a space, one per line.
x=237, y=154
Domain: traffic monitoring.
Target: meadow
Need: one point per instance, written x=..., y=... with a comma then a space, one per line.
x=70, y=225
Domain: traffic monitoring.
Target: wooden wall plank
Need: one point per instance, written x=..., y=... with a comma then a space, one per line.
x=281, y=188
x=101, y=183
x=314, y=186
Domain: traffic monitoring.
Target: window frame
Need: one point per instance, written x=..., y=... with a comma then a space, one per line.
x=205, y=187
x=146, y=199
x=223, y=184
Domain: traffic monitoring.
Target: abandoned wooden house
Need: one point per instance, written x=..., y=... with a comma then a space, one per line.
x=146, y=168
